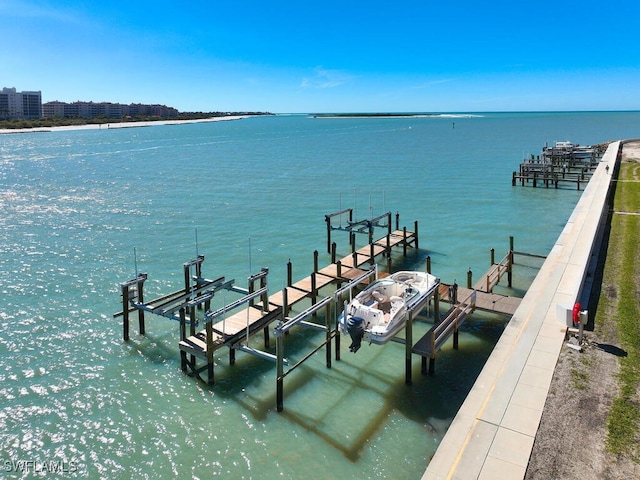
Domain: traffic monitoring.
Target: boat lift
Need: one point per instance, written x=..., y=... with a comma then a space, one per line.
x=329, y=327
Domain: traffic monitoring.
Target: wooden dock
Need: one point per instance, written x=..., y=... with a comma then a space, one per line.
x=234, y=332
x=562, y=163
x=465, y=301
x=233, y=325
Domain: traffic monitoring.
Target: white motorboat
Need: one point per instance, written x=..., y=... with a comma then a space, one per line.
x=380, y=311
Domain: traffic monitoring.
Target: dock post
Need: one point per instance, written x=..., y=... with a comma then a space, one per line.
x=289, y=273
x=493, y=256
x=252, y=288
x=469, y=279
x=285, y=306
x=510, y=267
x=334, y=248
x=513, y=179
x=187, y=281
x=327, y=320
x=428, y=263
x=209, y=329
x=397, y=220
x=372, y=258
x=314, y=291
x=432, y=364
x=415, y=233
x=279, y=372
x=125, y=313
x=141, y=278
x=436, y=307
x=183, y=336
x=337, y=336
x=199, y=275
x=265, y=306
x=327, y=219
x=408, y=347
x=455, y=335
x=404, y=241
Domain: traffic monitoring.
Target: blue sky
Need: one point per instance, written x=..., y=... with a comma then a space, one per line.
x=327, y=56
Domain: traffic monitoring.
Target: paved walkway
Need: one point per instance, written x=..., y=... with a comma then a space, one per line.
x=493, y=433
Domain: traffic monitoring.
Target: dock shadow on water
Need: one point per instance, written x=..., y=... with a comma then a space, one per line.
x=356, y=403
x=352, y=404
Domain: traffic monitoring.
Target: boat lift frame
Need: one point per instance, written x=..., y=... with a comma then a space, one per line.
x=330, y=328
x=358, y=226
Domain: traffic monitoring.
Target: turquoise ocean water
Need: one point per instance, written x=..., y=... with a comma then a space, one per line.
x=247, y=194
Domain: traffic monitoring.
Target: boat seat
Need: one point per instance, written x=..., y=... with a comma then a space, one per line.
x=396, y=302
x=380, y=298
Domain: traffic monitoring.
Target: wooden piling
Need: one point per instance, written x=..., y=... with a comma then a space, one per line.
x=141, y=300
x=436, y=306
x=510, y=264
x=455, y=337
x=329, y=329
x=125, y=310
x=404, y=242
x=279, y=372
x=183, y=335
x=408, y=347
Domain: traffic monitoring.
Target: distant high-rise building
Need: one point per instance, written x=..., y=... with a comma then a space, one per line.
x=15, y=104
x=105, y=109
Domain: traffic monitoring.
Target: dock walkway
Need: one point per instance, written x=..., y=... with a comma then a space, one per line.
x=465, y=301
x=235, y=330
x=493, y=433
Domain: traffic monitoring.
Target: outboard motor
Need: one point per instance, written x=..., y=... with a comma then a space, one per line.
x=355, y=328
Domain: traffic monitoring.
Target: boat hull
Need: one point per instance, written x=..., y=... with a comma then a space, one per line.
x=379, y=312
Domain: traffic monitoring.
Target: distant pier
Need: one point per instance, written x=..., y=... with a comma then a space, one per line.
x=564, y=163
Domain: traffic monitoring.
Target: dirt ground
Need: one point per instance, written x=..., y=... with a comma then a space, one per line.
x=570, y=443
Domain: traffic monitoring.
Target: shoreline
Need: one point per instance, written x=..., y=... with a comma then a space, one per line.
x=111, y=126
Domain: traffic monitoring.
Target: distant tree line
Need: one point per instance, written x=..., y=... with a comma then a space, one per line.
x=65, y=122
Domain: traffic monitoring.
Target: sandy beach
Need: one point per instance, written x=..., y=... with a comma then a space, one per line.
x=104, y=126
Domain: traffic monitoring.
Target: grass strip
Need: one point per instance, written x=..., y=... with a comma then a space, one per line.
x=623, y=271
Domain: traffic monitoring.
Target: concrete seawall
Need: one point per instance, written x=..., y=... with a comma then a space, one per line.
x=493, y=433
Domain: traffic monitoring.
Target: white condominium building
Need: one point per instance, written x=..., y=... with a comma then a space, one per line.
x=15, y=104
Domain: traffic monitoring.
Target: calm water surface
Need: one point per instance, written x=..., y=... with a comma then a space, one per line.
x=253, y=193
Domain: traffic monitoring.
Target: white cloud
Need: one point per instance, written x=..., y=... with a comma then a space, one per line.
x=325, y=78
